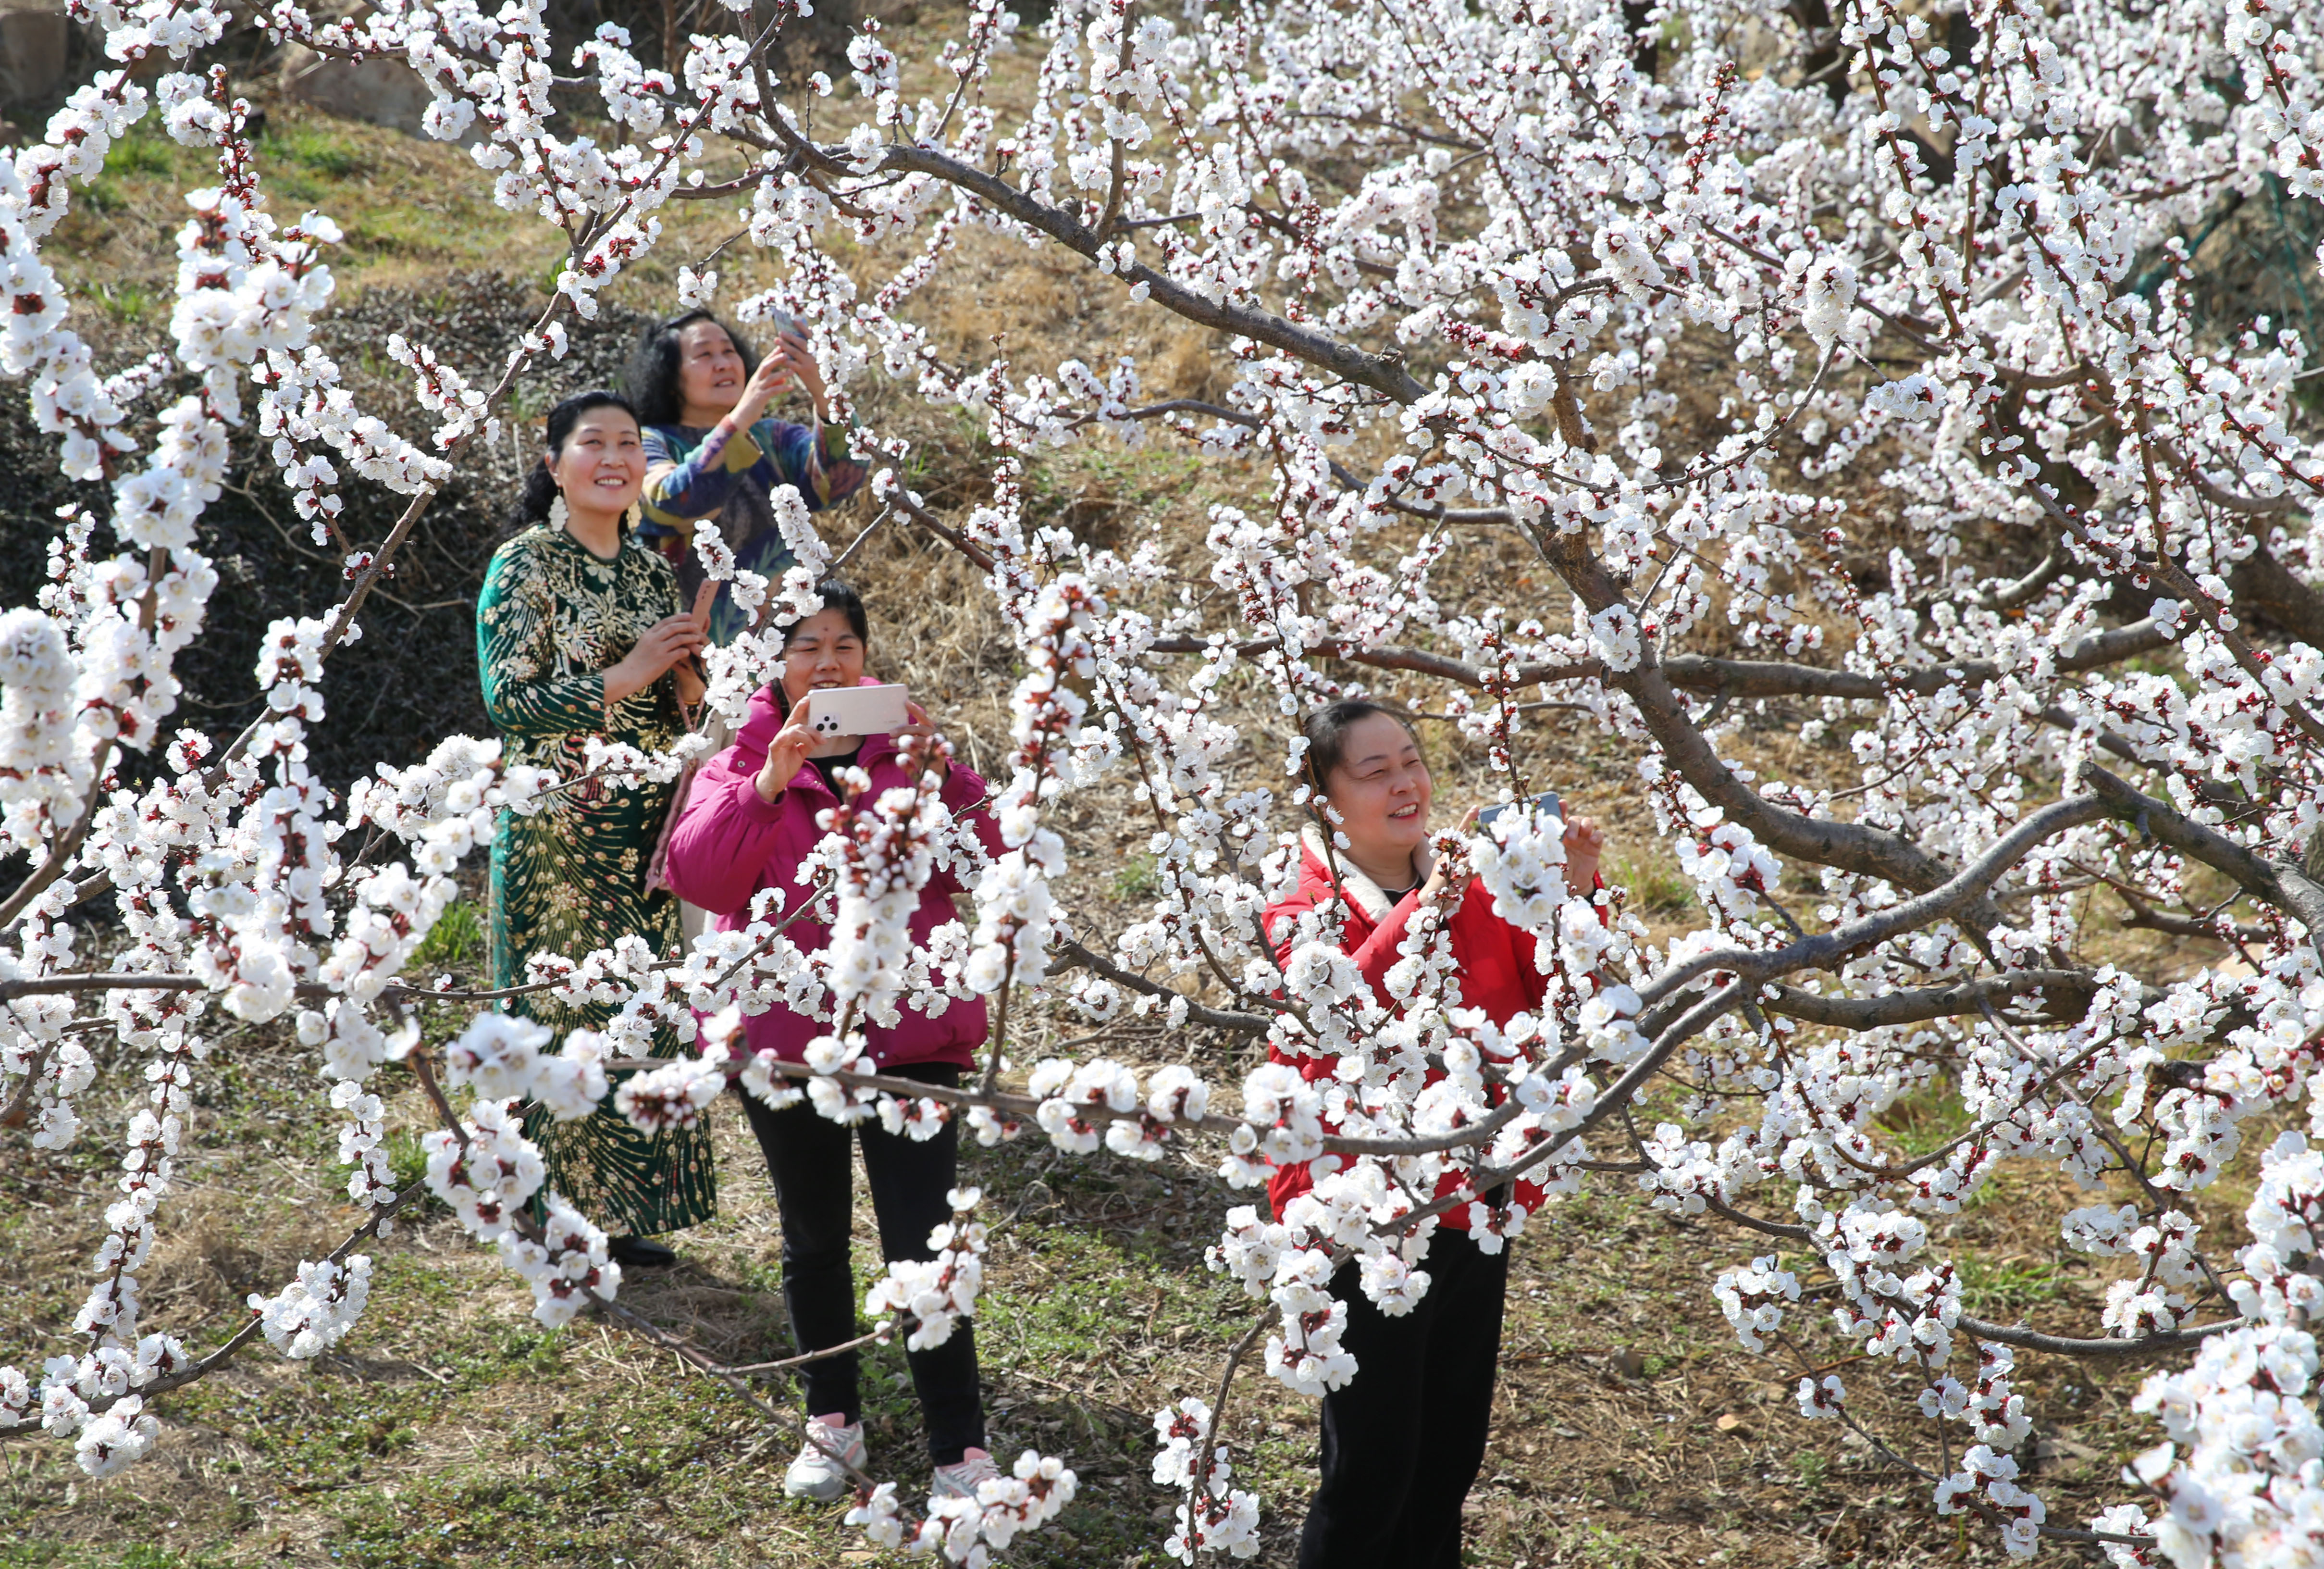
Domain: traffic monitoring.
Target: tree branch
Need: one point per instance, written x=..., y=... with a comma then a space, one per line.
x=1829, y=950
x=1073, y=955
x=2068, y=993
x=2287, y=888
x=1382, y=373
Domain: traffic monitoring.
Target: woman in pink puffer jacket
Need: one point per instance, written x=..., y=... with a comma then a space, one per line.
x=748, y=825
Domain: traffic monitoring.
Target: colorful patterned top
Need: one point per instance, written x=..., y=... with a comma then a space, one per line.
x=730, y=481
x=571, y=878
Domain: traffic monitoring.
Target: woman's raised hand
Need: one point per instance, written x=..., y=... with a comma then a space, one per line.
x=1436, y=869
x=786, y=755
x=690, y=689
x=922, y=729
x=667, y=642
x=790, y=360
x=770, y=381
x=809, y=373
x=1585, y=839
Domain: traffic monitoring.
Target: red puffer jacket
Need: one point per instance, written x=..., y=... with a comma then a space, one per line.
x=1494, y=958
x=728, y=845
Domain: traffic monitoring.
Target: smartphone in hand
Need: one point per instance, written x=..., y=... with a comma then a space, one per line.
x=1545, y=802
x=856, y=711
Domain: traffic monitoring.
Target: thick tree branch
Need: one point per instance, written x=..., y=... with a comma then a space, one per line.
x=2265, y=587
x=1712, y=677
x=1382, y=373
x=1775, y=678
x=2287, y=888
x=2066, y=997
x=1828, y=950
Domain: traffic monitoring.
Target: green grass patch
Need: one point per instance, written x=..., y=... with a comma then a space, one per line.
x=407, y=1159
x=458, y=938
x=1136, y=879
x=136, y=154
x=126, y=301
x=328, y=152
x=1925, y=1119
x=396, y=233
x=1656, y=887
x=40, y=1554
x=1597, y=1547
x=2007, y=1284
x=134, y=160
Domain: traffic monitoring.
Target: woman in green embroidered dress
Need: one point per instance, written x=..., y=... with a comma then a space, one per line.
x=579, y=633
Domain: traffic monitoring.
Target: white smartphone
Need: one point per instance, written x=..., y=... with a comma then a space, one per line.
x=856, y=710
x=1545, y=802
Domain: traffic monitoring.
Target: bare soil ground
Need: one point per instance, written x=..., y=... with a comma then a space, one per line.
x=448, y=1428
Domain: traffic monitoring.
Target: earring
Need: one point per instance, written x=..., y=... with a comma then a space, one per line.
x=558, y=512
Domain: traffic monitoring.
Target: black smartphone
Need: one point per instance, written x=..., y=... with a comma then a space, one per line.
x=1545, y=801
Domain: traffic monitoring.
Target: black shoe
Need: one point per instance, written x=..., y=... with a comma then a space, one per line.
x=640, y=1253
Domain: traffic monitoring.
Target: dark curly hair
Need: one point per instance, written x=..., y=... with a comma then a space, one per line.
x=539, y=493
x=651, y=379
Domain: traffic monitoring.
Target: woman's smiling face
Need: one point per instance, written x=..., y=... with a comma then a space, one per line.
x=1380, y=790
x=710, y=369
x=603, y=462
x=823, y=652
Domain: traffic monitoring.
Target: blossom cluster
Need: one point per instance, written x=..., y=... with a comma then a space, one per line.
x=1218, y=1517
x=969, y=1531
x=937, y=1293
x=2237, y=1477
x=1501, y=330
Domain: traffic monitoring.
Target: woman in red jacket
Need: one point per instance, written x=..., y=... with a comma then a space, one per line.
x=748, y=825
x=1403, y=1440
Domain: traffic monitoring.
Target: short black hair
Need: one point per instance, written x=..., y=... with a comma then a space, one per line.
x=651, y=378
x=539, y=493
x=842, y=597
x=1326, y=729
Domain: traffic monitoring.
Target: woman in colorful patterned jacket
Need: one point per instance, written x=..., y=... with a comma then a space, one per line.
x=714, y=452
x=580, y=633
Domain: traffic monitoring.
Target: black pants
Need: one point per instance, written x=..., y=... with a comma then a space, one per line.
x=1402, y=1442
x=808, y=1156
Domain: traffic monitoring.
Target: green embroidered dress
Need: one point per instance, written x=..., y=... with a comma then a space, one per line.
x=571, y=878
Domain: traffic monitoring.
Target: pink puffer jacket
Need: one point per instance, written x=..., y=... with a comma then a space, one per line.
x=728, y=845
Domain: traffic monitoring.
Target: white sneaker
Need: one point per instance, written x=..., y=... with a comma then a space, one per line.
x=815, y=1474
x=962, y=1480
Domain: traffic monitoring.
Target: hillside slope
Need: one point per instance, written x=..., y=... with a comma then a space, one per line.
x=1630, y=1429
